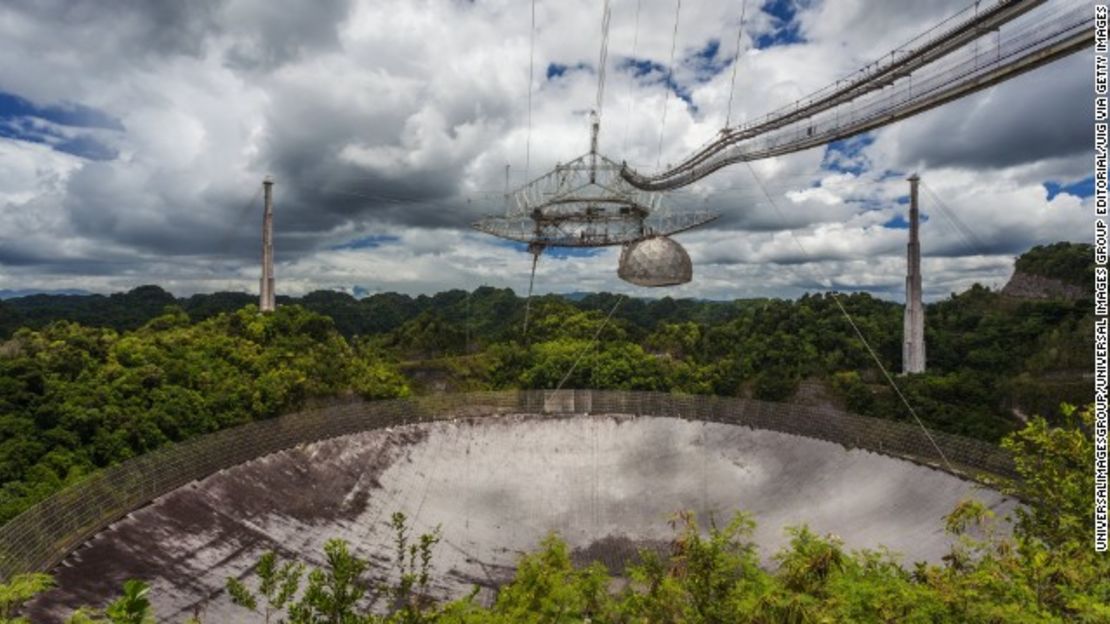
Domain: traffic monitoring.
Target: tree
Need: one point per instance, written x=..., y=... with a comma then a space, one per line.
x=17, y=591
x=277, y=584
x=76, y=398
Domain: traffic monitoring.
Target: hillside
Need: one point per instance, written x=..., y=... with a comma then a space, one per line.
x=1058, y=271
x=143, y=369
x=126, y=373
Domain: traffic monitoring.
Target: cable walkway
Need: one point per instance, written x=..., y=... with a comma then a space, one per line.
x=969, y=52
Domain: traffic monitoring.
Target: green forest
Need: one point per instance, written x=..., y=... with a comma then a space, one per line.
x=91, y=380
x=88, y=381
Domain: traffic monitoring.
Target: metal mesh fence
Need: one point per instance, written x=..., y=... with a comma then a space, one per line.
x=42, y=536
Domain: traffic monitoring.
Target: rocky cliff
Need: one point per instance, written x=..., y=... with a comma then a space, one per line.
x=1028, y=286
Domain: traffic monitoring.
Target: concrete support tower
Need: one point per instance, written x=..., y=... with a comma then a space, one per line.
x=913, y=336
x=266, y=296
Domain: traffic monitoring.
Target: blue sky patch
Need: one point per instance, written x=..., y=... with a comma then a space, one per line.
x=787, y=28
x=640, y=67
x=22, y=120
x=559, y=253
x=557, y=70
x=846, y=155
x=656, y=73
x=708, y=61
x=898, y=223
x=1082, y=189
x=368, y=242
x=73, y=115
x=710, y=50
x=562, y=253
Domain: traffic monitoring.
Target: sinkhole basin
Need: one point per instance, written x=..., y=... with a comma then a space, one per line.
x=496, y=486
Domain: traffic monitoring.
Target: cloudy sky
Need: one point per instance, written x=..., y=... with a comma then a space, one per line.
x=134, y=136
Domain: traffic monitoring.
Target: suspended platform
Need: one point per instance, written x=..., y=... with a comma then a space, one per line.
x=586, y=203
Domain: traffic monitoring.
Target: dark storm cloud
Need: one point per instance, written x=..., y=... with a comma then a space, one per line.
x=307, y=132
x=16, y=253
x=13, y=107
x=90, y=266
x=33, y=254
x=135, y=28
x=314, y=194
x=221, y=223
x=320, y=191
x=276, y=33
x=324, y=190
x=116, y=34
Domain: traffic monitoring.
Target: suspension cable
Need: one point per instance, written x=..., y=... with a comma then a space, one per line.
x=531, y=67
x=605, y=15
x=943, y=62
x=635, y=44
x=972, y=240
x=667, y=84
x=590, y=344
x=852, y=322
x=536, y=251
x=736, y=59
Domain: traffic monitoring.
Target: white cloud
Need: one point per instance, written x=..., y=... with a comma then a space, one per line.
x=397, y=117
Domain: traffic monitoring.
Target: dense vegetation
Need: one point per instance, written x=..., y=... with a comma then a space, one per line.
x=76, y=398
x=89, y=381
x=143, y=368
x=1045, y=572
x=992, y=359
x=1068, y=262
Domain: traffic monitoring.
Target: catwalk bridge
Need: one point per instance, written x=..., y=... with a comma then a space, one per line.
x=974, y=49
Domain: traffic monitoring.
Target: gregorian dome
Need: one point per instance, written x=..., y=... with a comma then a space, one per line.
x=655, y=261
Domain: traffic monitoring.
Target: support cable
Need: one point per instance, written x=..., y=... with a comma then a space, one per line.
x=628, y=113
x=944, y=68
x=736, y=60
x=852, y=322
x=602, y=61
x=973, y=242
x=977, y=40
x=590, y=345
x=669, y=81
x=536, y=251
x=531, y=71
x=528, y=158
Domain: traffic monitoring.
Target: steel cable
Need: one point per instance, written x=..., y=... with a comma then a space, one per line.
x=669, y=82
x=852, y=322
